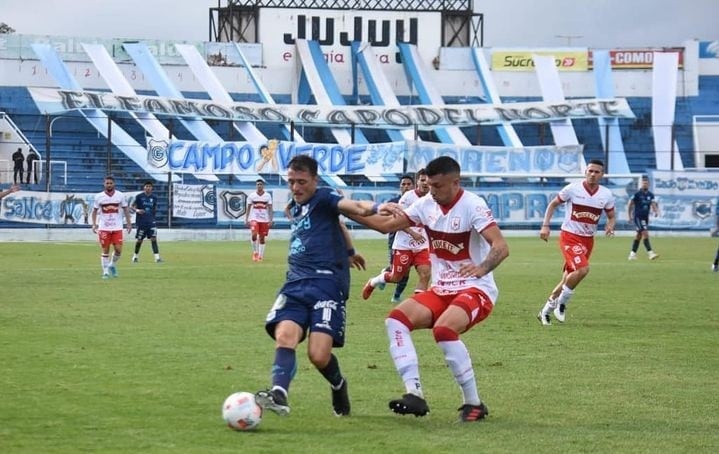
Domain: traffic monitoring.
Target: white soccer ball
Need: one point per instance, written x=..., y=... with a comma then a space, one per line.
x=241, y=412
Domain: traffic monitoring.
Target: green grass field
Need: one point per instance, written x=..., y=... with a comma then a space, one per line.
x=142, y=363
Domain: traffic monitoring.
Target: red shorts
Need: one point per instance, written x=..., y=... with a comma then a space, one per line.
x=403, y=260
x=109, y=237
x=475, y=303
x=261, y=228
x=576, y=250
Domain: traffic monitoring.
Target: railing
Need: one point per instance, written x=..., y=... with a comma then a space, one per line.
x=38, y=166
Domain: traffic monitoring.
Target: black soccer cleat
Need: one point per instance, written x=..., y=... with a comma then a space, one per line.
x=274, y=400
x=409, y=404
x=468, y=413
x=341, y=400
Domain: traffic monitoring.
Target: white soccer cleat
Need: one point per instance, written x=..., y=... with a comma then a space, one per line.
x=632, y=256
x=715, y=268
x=560, y=312
x=544, y=318
x=653, y=255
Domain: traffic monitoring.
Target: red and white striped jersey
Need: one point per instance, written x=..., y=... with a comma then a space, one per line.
x=259, y=206
x=584, y=207
x=455, y=239
x=402, y=240
x=110, y=210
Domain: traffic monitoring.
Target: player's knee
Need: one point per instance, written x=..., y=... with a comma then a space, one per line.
x=444, y=334
x=398, y=315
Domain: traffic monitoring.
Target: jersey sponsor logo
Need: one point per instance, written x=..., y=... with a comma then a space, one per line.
x=297, y=247
x=584, y=215
x=447, y=246
x=110, y=208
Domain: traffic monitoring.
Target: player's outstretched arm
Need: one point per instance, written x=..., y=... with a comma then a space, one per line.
x=498, y=251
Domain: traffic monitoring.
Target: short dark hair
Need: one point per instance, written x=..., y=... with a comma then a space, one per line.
x=259, y=180
x=303, y=162
x=109, y=177
x=442, y=165
x=148, y=182
x=598, y=162
x=407, y=177
x=421, y=172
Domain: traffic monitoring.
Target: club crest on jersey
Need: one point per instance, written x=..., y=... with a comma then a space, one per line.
x=448, y=246
x=455, y=223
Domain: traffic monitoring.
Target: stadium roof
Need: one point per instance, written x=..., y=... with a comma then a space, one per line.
x=381, y=5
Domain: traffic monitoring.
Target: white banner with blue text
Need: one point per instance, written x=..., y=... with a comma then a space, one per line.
x=243, y=158
x=56, y=208
x=508, y=161
x=425, y=117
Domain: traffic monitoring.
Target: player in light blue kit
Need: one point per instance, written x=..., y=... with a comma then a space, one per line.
x=145, y=206
x=311, y=303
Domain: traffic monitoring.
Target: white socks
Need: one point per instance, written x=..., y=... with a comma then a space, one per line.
x=404, y=355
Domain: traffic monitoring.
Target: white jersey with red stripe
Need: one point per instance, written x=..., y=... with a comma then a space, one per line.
x=260, y=205
x=584, y=207
x=110, y=210
x=404, y=241
x=455, y=238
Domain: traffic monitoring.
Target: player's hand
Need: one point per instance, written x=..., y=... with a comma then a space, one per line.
x=609, y=232
x=544, y=232
x=129, y=228
x=390, y=209
x=357, y=261
x=94, y=228
x=470, y=270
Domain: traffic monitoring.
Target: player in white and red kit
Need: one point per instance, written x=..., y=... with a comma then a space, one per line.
x=110, y=206
x=465, y=246
x=585, y=201
x=259, y=217
x=409, y=248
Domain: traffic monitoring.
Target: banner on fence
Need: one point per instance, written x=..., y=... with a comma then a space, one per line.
x=193, y=201
x=56, y=208
x=426, y=117
x=243, y=158
x=500, y=160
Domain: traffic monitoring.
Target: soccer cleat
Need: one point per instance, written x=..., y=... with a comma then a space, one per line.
x=159, y=260
x=560, y=312
x=409, y=404
x=113, y=270
x=367, y=290
x=715, y=267
x=341, y=400
x=468, y=413
x=653, y=255
x=274, y=400
x=255, y=256
x=260, y=258
x=105, y=276
x=395, y=300
x=632, y=256
x=544, y=318
x=135, y=260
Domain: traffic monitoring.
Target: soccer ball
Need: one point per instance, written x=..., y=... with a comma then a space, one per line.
x=241, y=412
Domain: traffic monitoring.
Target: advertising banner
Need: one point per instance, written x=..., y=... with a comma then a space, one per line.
x=279, y=28
x=570, y=59
x=637, y=58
